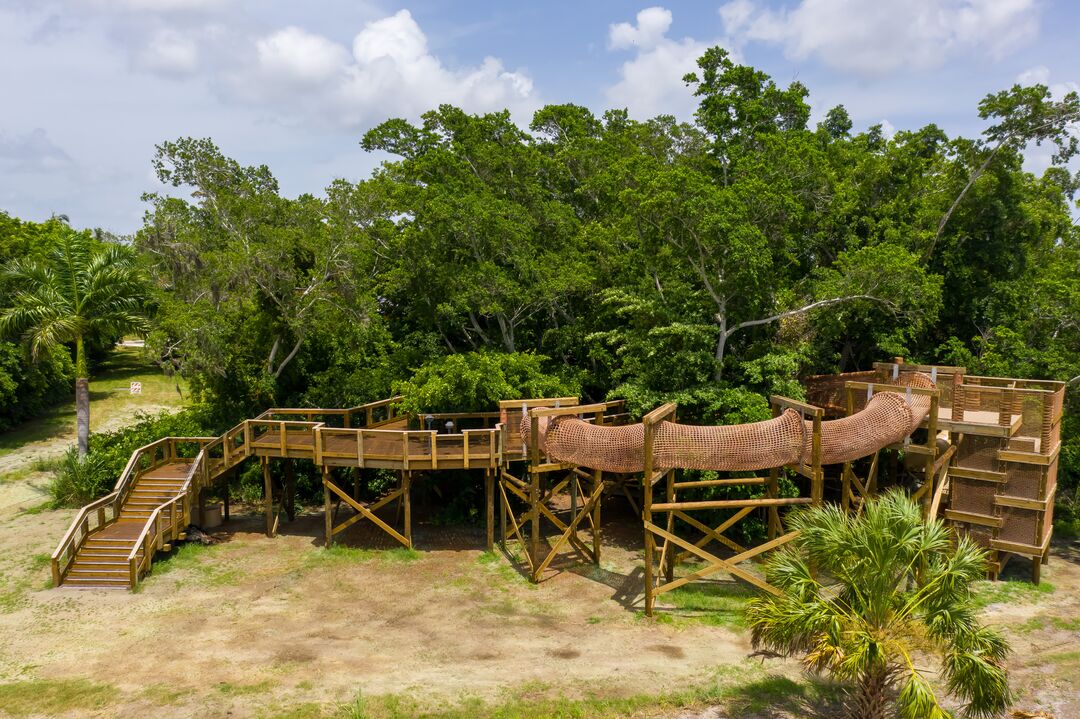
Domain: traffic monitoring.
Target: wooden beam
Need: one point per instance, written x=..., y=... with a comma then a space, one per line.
x=731, y=503
x=329, y=535
x=717, y=562
x=344, y=497
x=268, y=497
x=489, y=504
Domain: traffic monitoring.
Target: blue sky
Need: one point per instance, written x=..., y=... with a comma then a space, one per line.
x=87, y=87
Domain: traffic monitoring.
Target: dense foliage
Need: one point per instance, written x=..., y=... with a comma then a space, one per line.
x=81, y=290
x=713, y=262
x=865, y=597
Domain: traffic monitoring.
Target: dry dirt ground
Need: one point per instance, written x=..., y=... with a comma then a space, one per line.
x=258, y=627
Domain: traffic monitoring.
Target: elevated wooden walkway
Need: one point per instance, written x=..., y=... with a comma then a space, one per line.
x=112, y=541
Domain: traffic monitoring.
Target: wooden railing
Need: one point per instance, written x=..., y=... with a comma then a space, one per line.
x=472, y=448
x=167, y=521
x=106, y=510
x=91, y=517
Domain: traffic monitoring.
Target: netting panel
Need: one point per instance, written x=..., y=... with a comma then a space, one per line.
x=607, y=448
x=888, y=417
x=733, y=448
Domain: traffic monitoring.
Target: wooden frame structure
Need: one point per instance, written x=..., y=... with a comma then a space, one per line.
x=989, y=461
x=660, y=570
x=989, y=458
x=585, y=487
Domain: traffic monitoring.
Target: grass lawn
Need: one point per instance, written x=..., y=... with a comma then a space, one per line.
x=111, y=405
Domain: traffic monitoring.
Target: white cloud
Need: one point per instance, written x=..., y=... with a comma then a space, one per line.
x=650, y=83
x=652, y=26
x=390, y=71
x=878, y=38
x=294, y=55
x=736, y=14
x=168, y=53
x=1038, y=75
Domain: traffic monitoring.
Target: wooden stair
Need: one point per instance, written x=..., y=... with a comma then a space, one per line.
x=102, y=560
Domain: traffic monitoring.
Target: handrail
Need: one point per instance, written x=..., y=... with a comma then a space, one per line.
x=81, y=519
x=73, y=539
x=183, y=495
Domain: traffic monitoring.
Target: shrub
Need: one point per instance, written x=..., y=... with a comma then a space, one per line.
x=80, y=481
x=477, y=381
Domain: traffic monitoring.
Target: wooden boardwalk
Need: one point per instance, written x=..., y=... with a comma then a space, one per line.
x=111, y=542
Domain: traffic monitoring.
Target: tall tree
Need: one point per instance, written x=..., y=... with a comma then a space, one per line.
x=81, y=290
x=243, y=275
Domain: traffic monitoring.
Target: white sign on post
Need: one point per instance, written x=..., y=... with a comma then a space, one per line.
x=136, y=388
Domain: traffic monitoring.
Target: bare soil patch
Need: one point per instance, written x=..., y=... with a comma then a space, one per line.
x=257, y=627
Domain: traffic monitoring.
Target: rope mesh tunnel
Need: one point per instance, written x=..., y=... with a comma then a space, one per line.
x=888, y=417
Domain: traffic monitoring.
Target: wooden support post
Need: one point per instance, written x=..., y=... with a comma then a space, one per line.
x=406, y=484
x=290, y=489
x=669, y=550
x=646, y=515
x=502, y=513
x=573, y=509
x=326, y=507
x=489, y=515
x=356, y=484
x=202, y=506
x=845, y=486
x=268, y=497
x=598, y=480
x=534, y=495
x=773, y=491
x=226, y=496
x=817, y=481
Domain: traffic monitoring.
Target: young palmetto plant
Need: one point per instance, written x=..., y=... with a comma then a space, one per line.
x=876, y=599
x=84, y=287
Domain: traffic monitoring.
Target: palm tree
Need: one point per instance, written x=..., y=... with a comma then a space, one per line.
x=84, y=288
x=869, y=599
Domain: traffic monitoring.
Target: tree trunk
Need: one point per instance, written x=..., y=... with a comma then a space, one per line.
x=82, y=414
x=721, y=347
x=871, y=696
x=82, y=399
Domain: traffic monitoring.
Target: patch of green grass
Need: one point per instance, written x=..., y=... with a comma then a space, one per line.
x=337, y=555
x=40, y=561
x=165, y=694
x=306, y=710
x=718, y=604
x=1067, y=625
x=488, y=558
x=772, y=694
x=37, y=508
x=49, y=697
x=13, y=594
x=198, y=561
x=231, y=689
x=1012, y=591
x=44, y=464
x=1063, y=658
x=110, y=400
x=742, y=689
